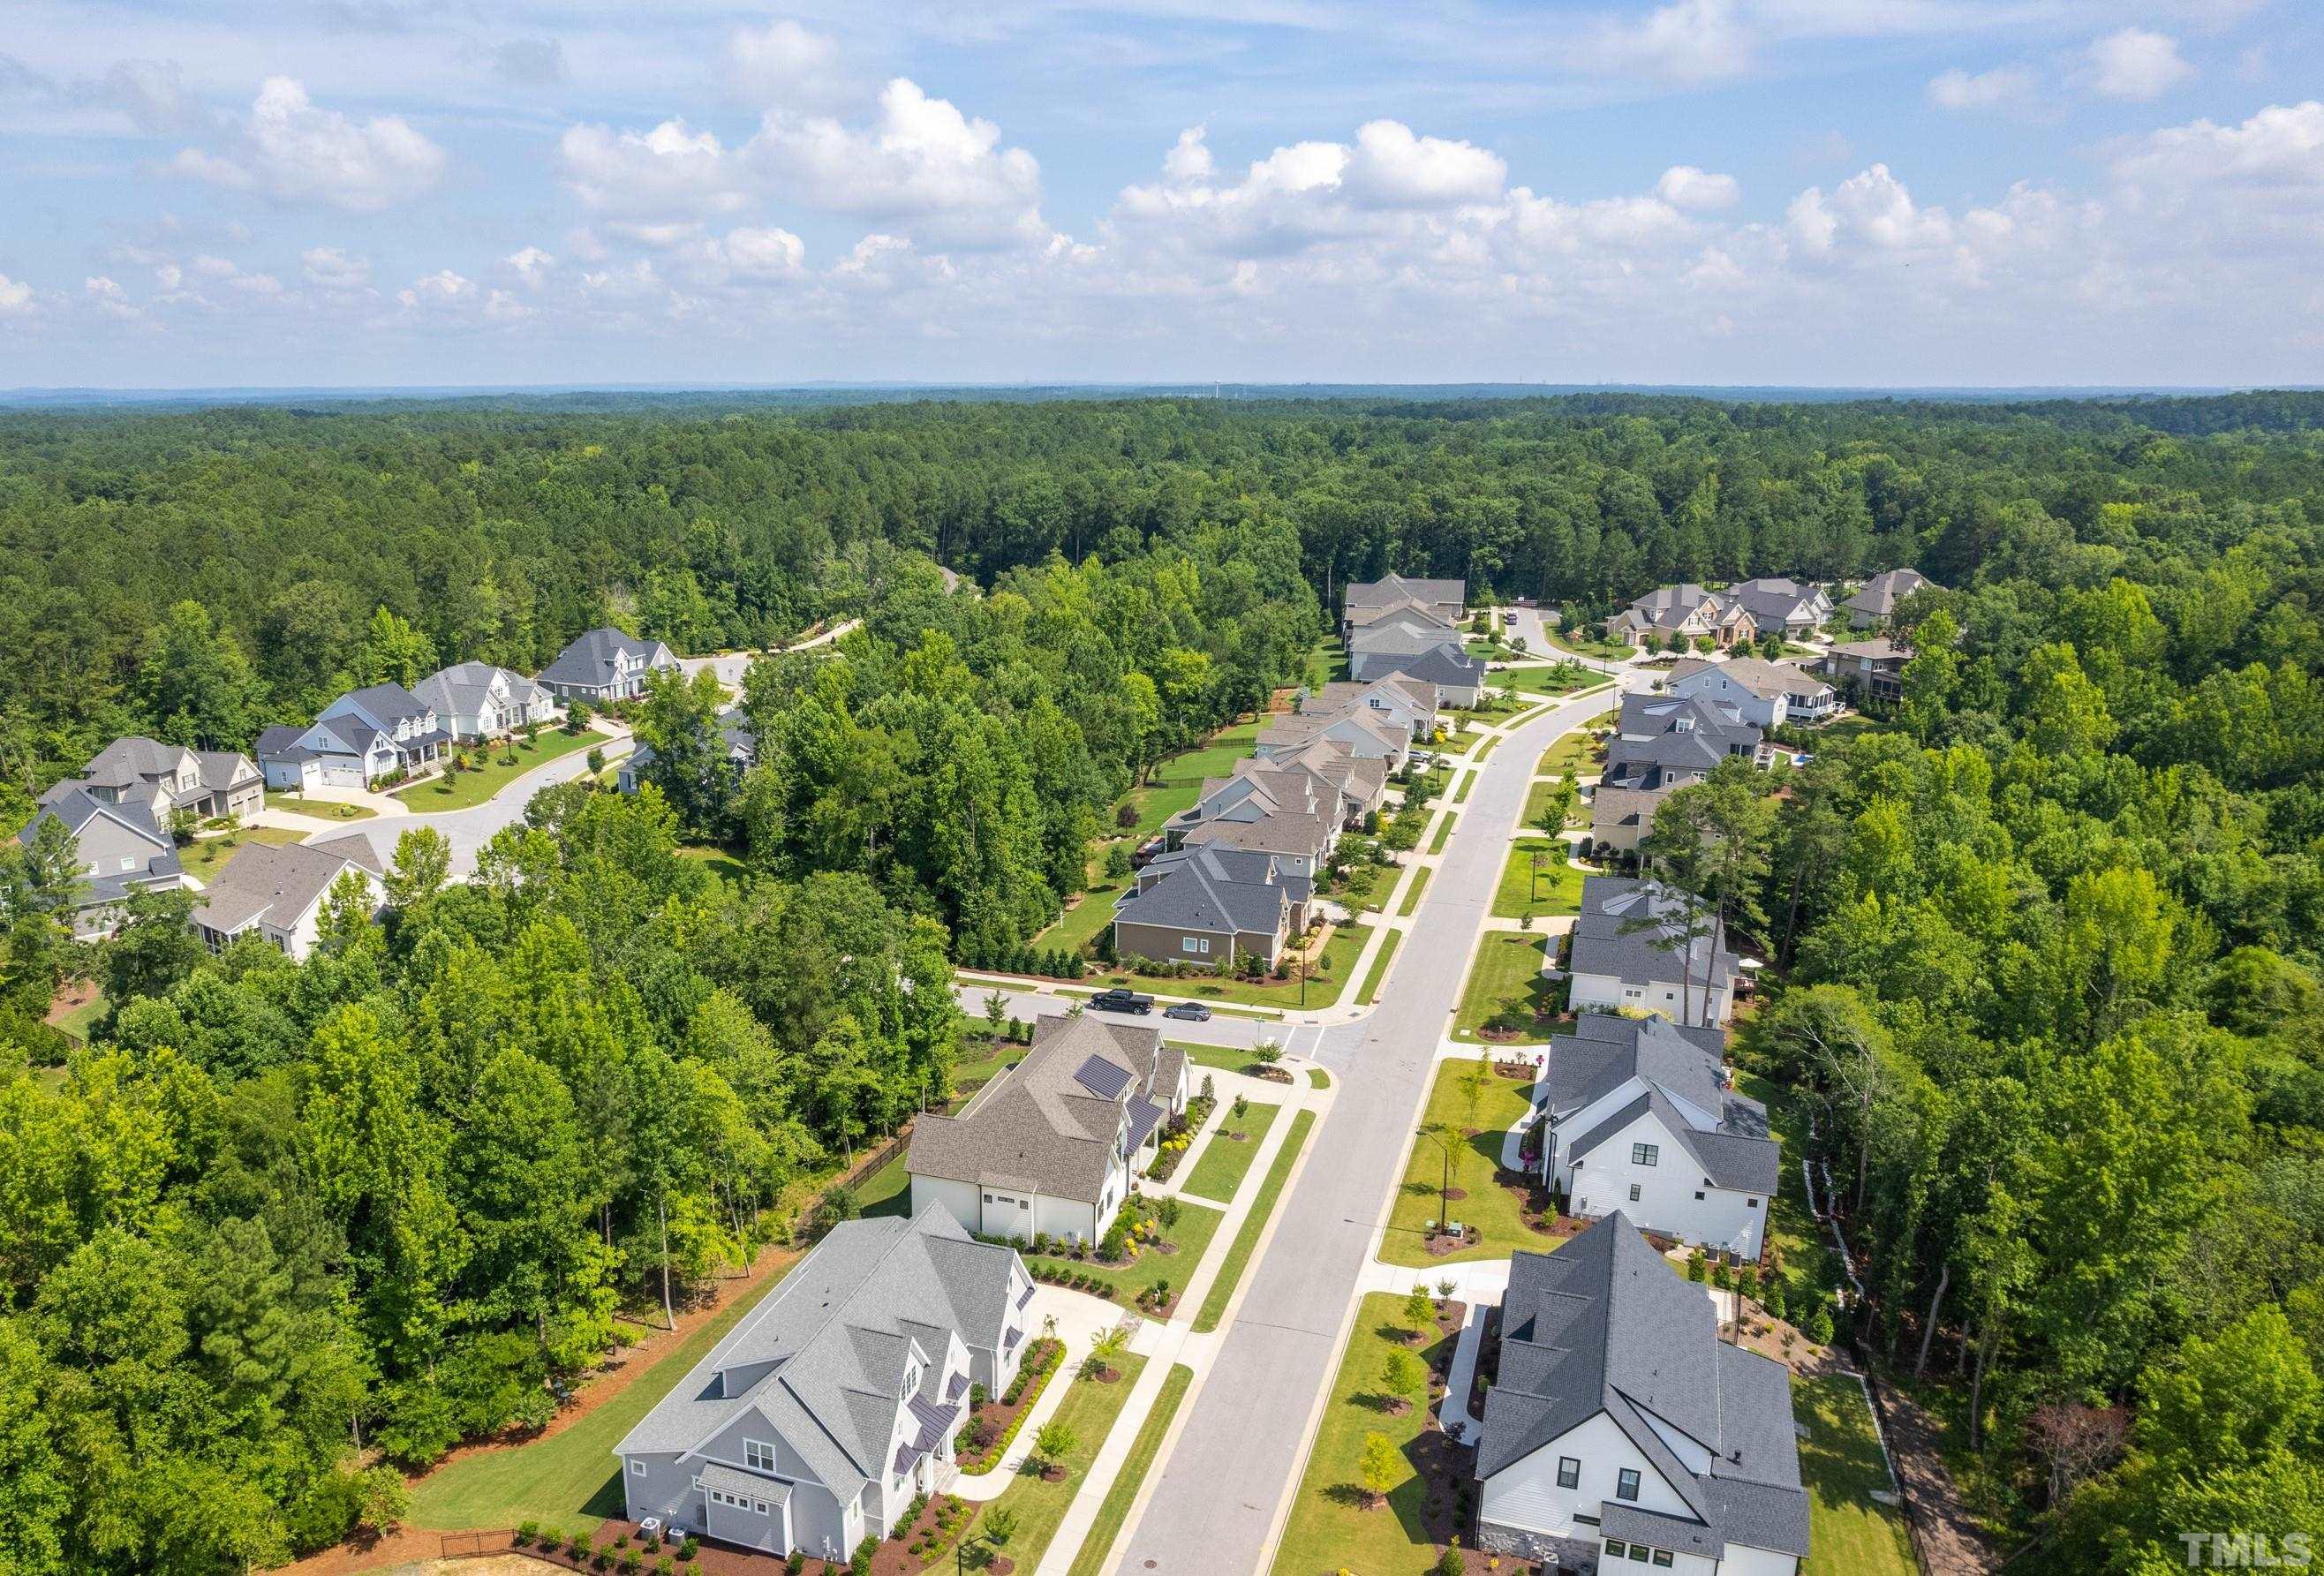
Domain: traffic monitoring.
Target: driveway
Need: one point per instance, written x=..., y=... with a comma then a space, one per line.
x=1216, y=1502
x=1219, y=1030
x=469, y=830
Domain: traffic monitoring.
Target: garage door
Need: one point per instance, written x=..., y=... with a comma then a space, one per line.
x=338, y=775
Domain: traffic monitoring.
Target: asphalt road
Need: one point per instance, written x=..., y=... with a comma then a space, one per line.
x=1213, y=1505
x=467, y=831
x=1219, y=1030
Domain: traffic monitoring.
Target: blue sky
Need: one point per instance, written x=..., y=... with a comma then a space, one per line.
x=1891, y=192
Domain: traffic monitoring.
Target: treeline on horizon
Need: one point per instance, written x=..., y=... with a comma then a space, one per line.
x=2046, y=942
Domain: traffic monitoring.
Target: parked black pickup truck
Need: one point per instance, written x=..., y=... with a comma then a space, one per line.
x=1119, y=1001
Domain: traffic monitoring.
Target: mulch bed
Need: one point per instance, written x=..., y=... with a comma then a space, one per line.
x=1274, y=1074
x=1044, y=1351
x=1439, y=1246
x=1487, y=1352
x=1524, y=1070
x=895, y=1556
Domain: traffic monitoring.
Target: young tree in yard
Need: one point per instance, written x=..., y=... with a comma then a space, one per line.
x=1711, y=840
x=1376, y=1467
x=423, y=865
x=1403, y=1376
x=1052, y=1444
x=1559, y=805
x=996, y=1016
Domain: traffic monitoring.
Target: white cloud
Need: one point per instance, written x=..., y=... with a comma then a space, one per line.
x=672, y=169
x=109, y=298
x=291, y=150
x=1189, y=159
x=2003, y=87
x=15, y=296
x=1813, y=226
x=438, y=289
x=1682, y=186
x=2135, y=64
x=783, y=66
x=333, y=270
x=1392, y=168
x=1689, y=41
x=762, y=254
x=531, y=263
x=658, y=236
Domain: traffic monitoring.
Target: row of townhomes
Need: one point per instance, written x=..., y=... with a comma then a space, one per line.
x=837, y=1402
x=1234, y=873
x=1053, y=1146
x=1411, y=627
x=1621, y=1432
x=1770, y=604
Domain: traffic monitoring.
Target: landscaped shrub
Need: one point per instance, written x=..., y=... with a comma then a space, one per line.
x=527, y=1532
x=795, y=1564
x=664, y=1566
x=578, y=1548
x=632, y=1562
x=865, y=1553
x=687, y=1550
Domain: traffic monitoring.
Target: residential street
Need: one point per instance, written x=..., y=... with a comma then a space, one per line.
x=1219, y=1497
x=469, y=830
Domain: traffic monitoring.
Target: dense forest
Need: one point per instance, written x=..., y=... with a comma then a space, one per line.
x=2044, y=942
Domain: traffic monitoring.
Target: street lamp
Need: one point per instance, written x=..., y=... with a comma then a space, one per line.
x=1444, y=1184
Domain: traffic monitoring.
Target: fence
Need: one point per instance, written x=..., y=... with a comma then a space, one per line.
x=469, y=1545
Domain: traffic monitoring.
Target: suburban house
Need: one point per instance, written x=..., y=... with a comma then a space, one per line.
x=1371, y=734
x=1874, y=668
x=1639, y=1116
x=605, y=665
x=476, y=701
x=1685, y=613
x=367, y=734
x=834, y=1404
x=122, y=849
x=1359, y=782
x=277, y=892
x=1785, y=606
x=1410, y=701
x=1875, y=602
x=1052, y=1147
x=1621, y=1432
x=1445, y=601
x=171, y=779
x=1375, y=650
x=1766, y=694
x=1268, y=808
x=1458, y=679
x=1663, y=743
x=1629, y=951
x=738, y=744
x=1203, y=905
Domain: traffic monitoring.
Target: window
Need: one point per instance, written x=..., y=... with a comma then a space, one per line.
x=1639, y=1553
x=988, y=1198
x=1024, y=1203
x=759, y=1506
x=1569, y=1472
x=1195, y=944
x=1750, y=1203
x=1626, y=1484
x=1645, y=1154
x=1633, y=1193
x=759, y=1455
x=637, y=1469
x=1616, y=1550
x=1663, y=1558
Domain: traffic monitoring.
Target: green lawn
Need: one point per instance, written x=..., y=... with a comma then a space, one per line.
x=1842, y=1467
x=82, y=1019
x=1330, y=1529
x=1461, y=1098
x=1178, y=779
x=1587, y=645
x=1412, y=893
x=1089, y=1410
x=1226, y=1058
x=723, y=864
x=1538, y=806
x=1197, y=1224
x=1379, y=971
x=1576, y=752
x=567, y=1480
x=461, y=790
x=1506, y=988
x=1461, y=742
x=1078, y=925
x=1799, y=1246
x=887, y=1191
x=1318, y=1079
x=1491, y=744
x=1461, y=794
x=1322, y=987
x=1223, y=1163
x=1555, y=888
x=1444, y=831
x=1547, y=680
x=322, y=809
x=1115, y=1510
x=1262, y=1208
x=203, y=857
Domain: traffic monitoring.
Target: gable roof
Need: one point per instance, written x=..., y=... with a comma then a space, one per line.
x=1776, y=598
x=1402, y=632
x=1605, y=942
x=589, y=659
x=129, y=760
x=1443, y=665
x=279, y=883
x=385, y=703
x=1302, y=834
x=1394, y=587
x=1766, y=679
x=823, y=1359
x=1605, y=1325
x=1880, y=594
x=465, y=687
x=1040, y=1125
x=1212, y=893
x=75, y=809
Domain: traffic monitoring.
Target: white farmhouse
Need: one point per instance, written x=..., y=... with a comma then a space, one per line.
x=1631, y=951
x=1623, y=1434
x=1766, y=693
x=1639, y=1118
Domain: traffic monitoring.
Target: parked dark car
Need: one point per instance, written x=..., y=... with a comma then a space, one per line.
x=1120, y=1001
x=1192, y=1012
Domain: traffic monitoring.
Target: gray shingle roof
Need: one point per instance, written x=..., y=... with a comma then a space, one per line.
x=1403, y=634
x=1763, y=678
x=77, y=809
x=387, y=702
x=1193, y=895
x=1774, y=599
x=1604, y=943
x=1742, y=1163
x=823, y=1359
x=465, y=687
x=1368, y=593
x=281, y=743
x=589, y=659
x=1605, y=1325
x=279, y=883
x=1606, y=1052
x=741, y=1480
x=1444, y=665
x=1880, y=594
x=1038, y=1125
x=1300, y=832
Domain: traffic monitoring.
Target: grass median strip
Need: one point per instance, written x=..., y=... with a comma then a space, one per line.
x=1411, y=903
x=1443, y=832
x=1115, y=1511
x=1379, y=971
x=1226, y=1159
x=1262, y=1208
